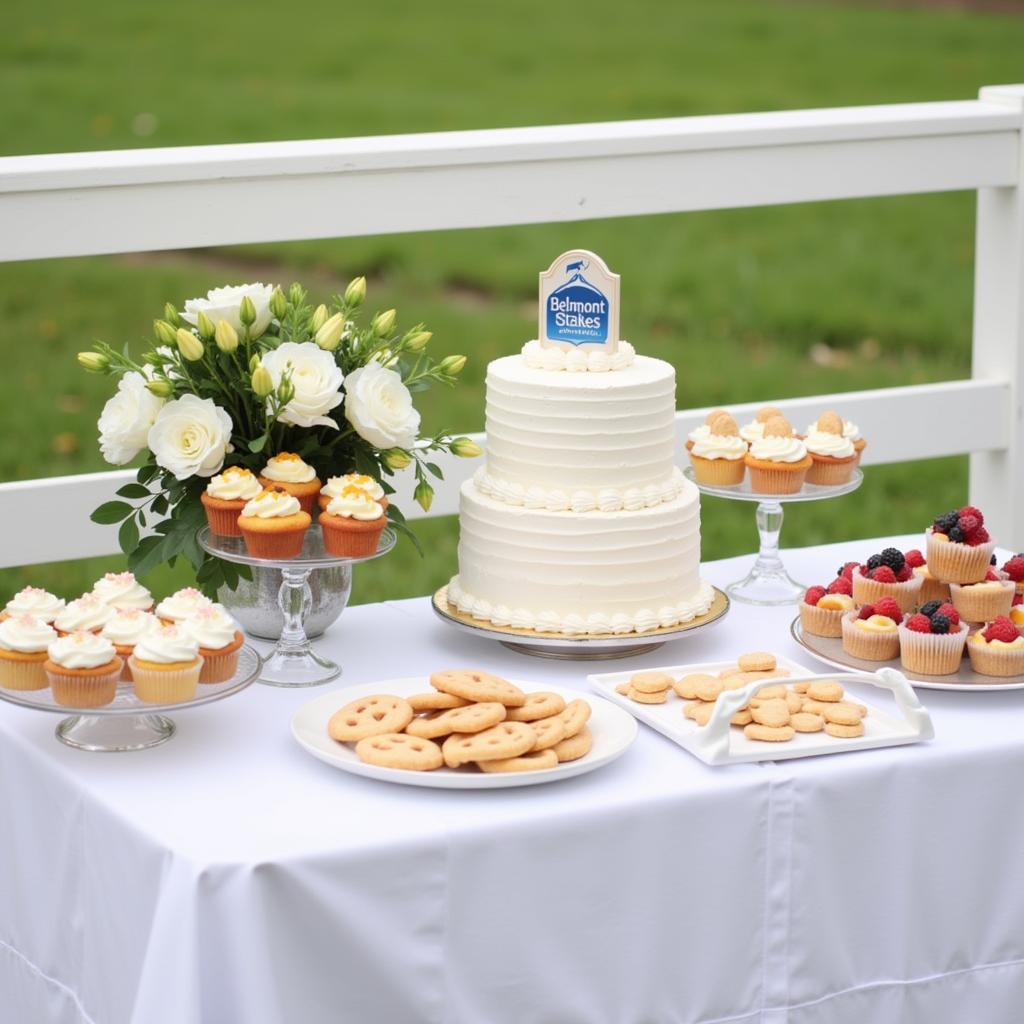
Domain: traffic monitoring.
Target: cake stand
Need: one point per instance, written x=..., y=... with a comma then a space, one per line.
x=293, y=662
x=128, y=723
x=554, y=645
x=768, y=583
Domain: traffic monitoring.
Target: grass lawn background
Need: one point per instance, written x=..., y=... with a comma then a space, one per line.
x=747, y=304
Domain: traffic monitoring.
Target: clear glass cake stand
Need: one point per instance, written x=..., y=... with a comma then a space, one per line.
x=768, y=583
x=293, y=662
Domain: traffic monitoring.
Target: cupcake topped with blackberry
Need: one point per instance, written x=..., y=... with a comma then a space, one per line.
x=959, y=548
x=932, y=640
x=886, y=574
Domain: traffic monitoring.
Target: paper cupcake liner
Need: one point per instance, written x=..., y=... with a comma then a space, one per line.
x=958, y=563
x=859, y=643
x=984, y=605
x=165, y=685
x=224, y=521
x=348, y=538
x=72, y=690
x=280, y=544
x=124, y=651
x=777, y=481
x=828, y=474
x=821, y=621
x=996, y=661
x=23, y=675
x=932, y=590
x=718, y=472
x=906, y=594
x=220, y=666
x=932, y=654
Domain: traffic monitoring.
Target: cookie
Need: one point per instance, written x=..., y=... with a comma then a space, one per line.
x=507, y=739
x=686, y=687
x=473, y=685
x=776, y=691
x=700, y=711
x=470, y=719
x=805, y=721
x=794, y=701
x=801, y=687
x=397, y=750
x=756, y=661
x=369, y=716
x=575, y=716
x=709, y=689
x=773, y=713
x=539, y=704
x=825, y=690
x=435, y=701
x=650, y=682
x=734, y=678
x=742, y=717
x=816, y=707
x=550, y=732
x=842, y=714
x=844, y=731
x=756, y=731
x=575, y=747
x=623, y=688
x=523, y=763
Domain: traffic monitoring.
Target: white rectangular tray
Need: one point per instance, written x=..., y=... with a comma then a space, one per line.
x=719, y=743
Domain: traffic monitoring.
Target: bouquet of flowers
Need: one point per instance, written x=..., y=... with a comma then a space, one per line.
x=243, y=374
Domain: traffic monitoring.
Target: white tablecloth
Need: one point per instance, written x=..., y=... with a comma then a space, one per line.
x=228, y=877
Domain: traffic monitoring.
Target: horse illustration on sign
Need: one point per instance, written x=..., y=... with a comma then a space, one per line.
x=577, y=311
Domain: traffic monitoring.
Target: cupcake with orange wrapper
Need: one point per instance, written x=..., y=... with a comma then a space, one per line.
x=959, y=548
x=872, y=632
x=24, y=640
x=704, y=430
x=87, y=612
x=754, y=430
x=122, y=590
x=34, y=601
x=225, y=497
x=984, y=601
x=822, y=609
x=127, y=627
x=848, y=429
x=931, y=588
x=274, y=525
x=997, y=650
x=833, y=456
x=933, y=645
x=220, y=642
x=287, y=472
x=352, y=524
x=718, y=458
x=778, y=462
x=887, y=574
x=166, y=666
x=180, y=605
x=336, y=484
x=83, y=669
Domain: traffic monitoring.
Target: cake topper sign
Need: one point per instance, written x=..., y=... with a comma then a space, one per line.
x=579, y=303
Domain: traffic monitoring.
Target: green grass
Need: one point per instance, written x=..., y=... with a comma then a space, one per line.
x=737, y=300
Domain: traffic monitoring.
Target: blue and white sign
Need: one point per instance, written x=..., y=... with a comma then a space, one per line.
x=579, y=303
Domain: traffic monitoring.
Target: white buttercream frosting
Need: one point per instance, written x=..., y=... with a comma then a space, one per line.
x=336, y=484
x=234, y=484
x=593, y=360
x=128, y=626
x=85, y=612
x=833, y=445
x=35, y=601
x=82, y=650
x=182, y=603
x=26, y=634
x=122, y=590
x=699, y=434
x=271, y=505
x=167, y=645
x=753, y=431
x=355, y=503
x=288, y=468
x=779, y=449
x=211, y=627
x=720, y=446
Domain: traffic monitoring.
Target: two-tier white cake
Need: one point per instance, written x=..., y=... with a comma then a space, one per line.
x=579, y=522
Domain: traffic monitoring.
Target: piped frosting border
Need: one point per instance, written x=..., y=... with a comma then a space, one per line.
x=538, y=357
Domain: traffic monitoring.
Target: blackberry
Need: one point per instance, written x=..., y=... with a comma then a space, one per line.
x=945, y=523
x=956, y=535
x=874, y=562
x=930, y=608
x=893, y=558
x=940, y=623
x=992, y=560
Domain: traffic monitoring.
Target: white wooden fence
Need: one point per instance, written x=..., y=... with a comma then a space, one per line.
x=77, y=204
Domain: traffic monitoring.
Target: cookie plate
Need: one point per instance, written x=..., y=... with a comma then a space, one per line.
x=614, y=730
x=719, y=743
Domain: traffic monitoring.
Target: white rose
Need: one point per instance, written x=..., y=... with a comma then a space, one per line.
x=380, y=407
x=191, y=436
x=317, y=380
x=125, y=421
x=222, y=304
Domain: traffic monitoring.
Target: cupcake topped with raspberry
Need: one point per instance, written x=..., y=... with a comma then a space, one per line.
x=886, y=574
x=985, y=600
x=1014, y=569
x=959, y=548
x=871, y=633
x=998, y=649
x=823, y=608
x=932, y=640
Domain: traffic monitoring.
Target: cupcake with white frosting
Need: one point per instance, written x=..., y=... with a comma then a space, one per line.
x=181, y=604
x=225, y=497
x=336, y=484
x=24, y=640
x=849, y=430
x=87, y=612
x=34, y=601
x=274, y=525
x=83, y=669
x=718, y=458
x=121, y=590
x=352, y=524
x=702, y=432
x=166, y=666
x=754, y=430
x=127, y=627
x=833, y=456
x=287, y=472
x=220, y=642
x=778, y=462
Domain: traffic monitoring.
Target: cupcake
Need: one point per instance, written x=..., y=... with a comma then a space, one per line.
x=872, y=633
x=931, y=588
x=778, y=462
x=754, y=430
x=166, y=666
x=985, y=601
x=704, y=430
x=122, y=590
x=287, y=472
x=180, y=605
x=336, y=484
x=352, y=524
x=1016, y=615
x=997, y=650
x=833, y=456
x=848, y=430
x=887, y=575
x=274, y=525
x=822, y=610
x=1014, y=569
x=225, y=497
x=933, y=645
x=87, y=612
x=959, y=549
x=125, y=629
x=220, y=642
x=718, y=458
x=34, y=601
x=83, y=669
x=24, y=640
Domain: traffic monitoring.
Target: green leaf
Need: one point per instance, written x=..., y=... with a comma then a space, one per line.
x=146, y=555
x=128, y=535
x=435, y=469
x=147, y=472
x=259, y=444
x=402, y=528
x=133, y=491
x=160, y=505
x=111, y=512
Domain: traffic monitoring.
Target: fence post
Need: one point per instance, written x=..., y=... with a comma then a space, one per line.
x=997, y=477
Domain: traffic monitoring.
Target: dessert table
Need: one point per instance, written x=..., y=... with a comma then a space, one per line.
x=229, y=877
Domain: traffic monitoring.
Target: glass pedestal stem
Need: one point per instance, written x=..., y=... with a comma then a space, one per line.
x=767, y=582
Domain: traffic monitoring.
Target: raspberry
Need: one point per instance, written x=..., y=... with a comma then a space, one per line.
x=919, y=623
x=866, y=611
x=1014, y=568
x=1001, y=628
x=840, y=585
x=950, y=612
x=992, y=575
x=904, y=574
x=929, y=608
x=980, y=536
x=883, y=574
x=814, y=595
x=847, y=570
x=888, y=607
x=940, y=624
x=1018, y=599
x=970, y=525
x=913, y=558
x=893, y=558
x=863, y=570
x=970, y=510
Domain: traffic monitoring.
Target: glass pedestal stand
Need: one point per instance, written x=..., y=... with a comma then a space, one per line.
x=293, y=662
x=768, y=583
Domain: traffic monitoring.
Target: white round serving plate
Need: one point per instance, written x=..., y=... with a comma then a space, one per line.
x=613, y=730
